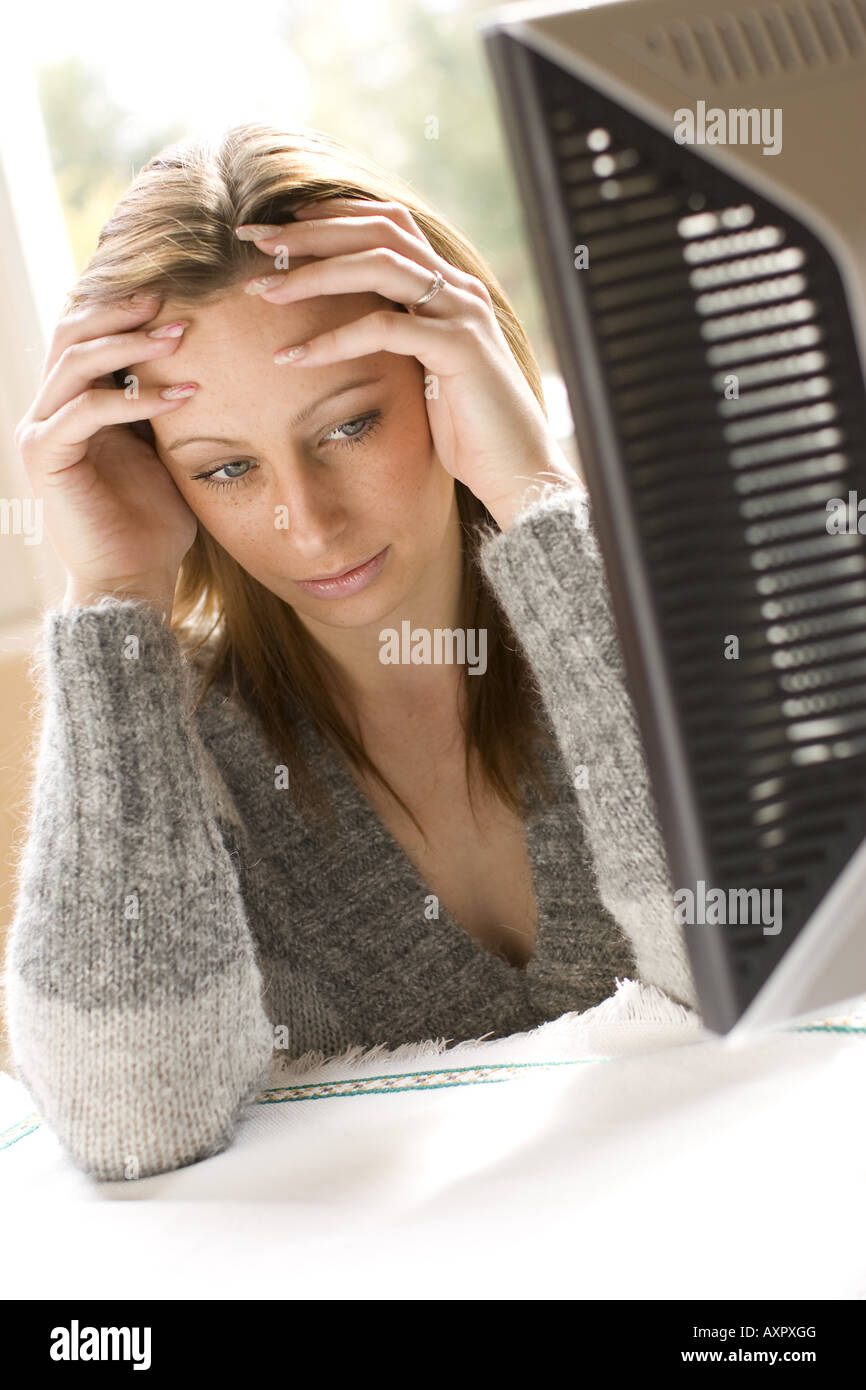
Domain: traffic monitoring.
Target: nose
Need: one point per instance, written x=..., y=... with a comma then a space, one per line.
x=310, y=513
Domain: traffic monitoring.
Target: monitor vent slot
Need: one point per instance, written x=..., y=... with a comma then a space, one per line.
x=759, y=41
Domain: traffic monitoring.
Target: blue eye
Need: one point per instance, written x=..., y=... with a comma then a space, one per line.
x=373, y=420
x=369, y=423
x=211, y=480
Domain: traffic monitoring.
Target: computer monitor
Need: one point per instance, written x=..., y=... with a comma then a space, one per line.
x=693, y=195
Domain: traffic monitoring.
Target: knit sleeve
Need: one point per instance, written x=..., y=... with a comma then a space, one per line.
x=132, y=991
x=548, y=575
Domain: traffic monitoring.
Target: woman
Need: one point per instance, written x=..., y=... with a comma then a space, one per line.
x=281, y=802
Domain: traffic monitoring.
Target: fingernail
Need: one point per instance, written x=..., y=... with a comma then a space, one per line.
x=290, y=354
x=174, y=393
x=138, y=299
x=169, y=330
x=256, y=231
x=263, y=282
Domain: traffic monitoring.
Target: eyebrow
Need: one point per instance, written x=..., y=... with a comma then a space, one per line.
x=295, y=420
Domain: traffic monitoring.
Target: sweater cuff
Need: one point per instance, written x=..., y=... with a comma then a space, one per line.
x=78, y=642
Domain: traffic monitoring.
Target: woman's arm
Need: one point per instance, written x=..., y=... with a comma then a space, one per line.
x=132, y=990
x=547, y=573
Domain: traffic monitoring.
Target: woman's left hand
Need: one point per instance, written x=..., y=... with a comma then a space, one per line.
x=488, y=429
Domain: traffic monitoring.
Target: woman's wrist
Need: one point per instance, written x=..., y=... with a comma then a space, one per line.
x=528, y=488
x=82, y=596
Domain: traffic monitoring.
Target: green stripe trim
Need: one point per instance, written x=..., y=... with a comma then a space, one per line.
x=435, y=1079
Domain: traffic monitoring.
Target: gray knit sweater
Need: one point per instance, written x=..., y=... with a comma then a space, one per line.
x=179, y=924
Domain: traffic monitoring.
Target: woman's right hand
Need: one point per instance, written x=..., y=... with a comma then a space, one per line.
x=110, y=507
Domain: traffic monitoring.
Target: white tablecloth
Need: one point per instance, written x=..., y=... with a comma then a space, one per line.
x=620, y=1153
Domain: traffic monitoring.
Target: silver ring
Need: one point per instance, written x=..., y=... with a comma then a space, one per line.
x=438, y=282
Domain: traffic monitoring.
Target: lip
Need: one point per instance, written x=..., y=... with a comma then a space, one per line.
x=349, y=582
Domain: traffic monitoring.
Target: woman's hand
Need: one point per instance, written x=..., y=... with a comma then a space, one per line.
x=111, y=509
x=487, y=427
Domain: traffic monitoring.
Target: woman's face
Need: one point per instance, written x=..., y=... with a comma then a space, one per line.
x=294, y=499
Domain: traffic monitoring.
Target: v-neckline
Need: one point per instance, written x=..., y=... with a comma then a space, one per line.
x=398, y=855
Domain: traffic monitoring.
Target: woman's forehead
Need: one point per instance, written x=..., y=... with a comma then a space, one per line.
x=236, y=333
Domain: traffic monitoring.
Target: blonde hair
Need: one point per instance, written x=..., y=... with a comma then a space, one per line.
x=171, y=233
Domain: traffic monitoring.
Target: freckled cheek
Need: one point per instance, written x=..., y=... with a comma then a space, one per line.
x=240, y=530
x=406, y=469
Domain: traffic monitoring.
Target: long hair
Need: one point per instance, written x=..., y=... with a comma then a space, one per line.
x=172, y=233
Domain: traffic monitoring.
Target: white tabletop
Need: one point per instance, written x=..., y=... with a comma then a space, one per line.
x=620, y=1153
